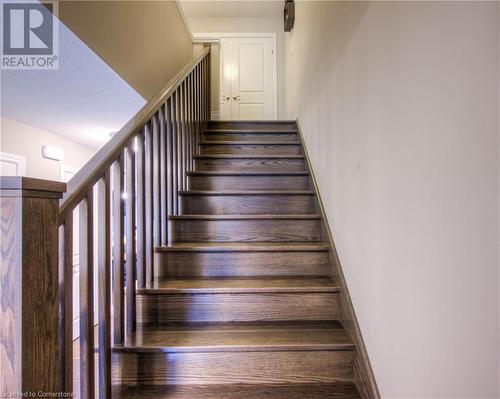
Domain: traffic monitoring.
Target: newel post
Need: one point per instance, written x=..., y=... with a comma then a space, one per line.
x=29, y=286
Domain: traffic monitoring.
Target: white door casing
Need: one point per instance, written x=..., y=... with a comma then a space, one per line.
x=12, y=165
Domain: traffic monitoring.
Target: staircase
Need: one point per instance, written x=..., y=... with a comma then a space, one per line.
x=243, y=303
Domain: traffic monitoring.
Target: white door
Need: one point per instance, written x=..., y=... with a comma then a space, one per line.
x=248, y=78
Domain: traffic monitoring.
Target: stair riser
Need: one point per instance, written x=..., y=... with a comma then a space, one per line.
x=252, y=125
x=251, y=149
x=248, y=182
x=251, y=165
x=233, y=368
x=234, y=136
x=238, y=264
x=161, y=309
x=246, y=204
x=238, y=391
x=245, y=230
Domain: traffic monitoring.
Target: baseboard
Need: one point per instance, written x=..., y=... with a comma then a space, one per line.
x=363, y=372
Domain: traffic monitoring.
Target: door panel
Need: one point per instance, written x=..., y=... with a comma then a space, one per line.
x=247, y=78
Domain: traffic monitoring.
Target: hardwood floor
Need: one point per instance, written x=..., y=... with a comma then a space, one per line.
x=244, y=303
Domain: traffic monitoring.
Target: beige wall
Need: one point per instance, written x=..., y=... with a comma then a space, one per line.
x=245, y=25
x=145, y=42
x=20, y=139
x=398, y=102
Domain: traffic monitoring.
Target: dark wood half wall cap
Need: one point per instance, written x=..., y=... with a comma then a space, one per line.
x=14, y=186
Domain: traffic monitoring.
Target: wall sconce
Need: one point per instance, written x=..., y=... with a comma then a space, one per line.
x=51, y=152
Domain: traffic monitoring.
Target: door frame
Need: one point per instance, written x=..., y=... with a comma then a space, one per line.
x=215, y=37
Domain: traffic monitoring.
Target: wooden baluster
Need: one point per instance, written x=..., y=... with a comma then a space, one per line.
x=66, y=284
x=182, y=119
x=178, y=148
x=188, y=129
x=86, y=266
x=140, y=210
x=118, y=251
x=202, y=94
x=104, y=284
x=163, y=177
x=168, y=161
x=173, y=153
x=156, y=181
x=198, y=104
x=191, y=122
x=209, y=88
x=148, y=227
x=130, y=258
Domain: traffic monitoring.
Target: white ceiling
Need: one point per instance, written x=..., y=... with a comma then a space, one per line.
x=84, y=100
x=232, y=8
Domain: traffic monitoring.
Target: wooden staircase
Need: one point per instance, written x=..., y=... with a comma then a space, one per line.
x=244, y=303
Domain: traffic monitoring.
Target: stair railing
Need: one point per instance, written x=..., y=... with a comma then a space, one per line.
x=121, y=200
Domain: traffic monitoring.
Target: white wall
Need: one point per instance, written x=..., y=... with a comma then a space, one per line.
x=248, y=25
x=398, y=102
x=20, y=139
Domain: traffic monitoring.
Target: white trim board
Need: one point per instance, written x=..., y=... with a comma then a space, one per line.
x=18, y=160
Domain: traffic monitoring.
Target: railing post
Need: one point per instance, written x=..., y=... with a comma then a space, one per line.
x=30, y=339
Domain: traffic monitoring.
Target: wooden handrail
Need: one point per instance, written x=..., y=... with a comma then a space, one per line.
x=89, y=174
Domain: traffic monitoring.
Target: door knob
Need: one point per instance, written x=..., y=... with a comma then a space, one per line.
x=227, y=98
x=236, y=98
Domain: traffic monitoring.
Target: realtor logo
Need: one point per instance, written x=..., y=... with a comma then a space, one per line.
x=29, y=35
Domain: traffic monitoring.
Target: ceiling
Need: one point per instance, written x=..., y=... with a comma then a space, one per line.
x=231, y=8
x=84, y=100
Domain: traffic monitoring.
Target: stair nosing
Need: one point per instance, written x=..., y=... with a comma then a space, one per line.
x=243, y=247
x=246, y=173
x=251, y=131
x=237, y=348
x=245, y=192
x=247, y=156
x=304, y=216
x=236, y=142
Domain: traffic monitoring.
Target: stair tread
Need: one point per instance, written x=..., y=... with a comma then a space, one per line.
x=249, y=156
x=243, y=247
x=246, y=192
x=246, y=336
x=255, y=142
x=305, y=216
x=246, y=173
x=226, y=285
x=267, y=130
x=239, y=391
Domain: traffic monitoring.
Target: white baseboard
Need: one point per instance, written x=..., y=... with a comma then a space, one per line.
x=215, y=115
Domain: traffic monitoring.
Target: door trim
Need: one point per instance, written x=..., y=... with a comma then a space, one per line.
x=17, y=160
x=215, y=37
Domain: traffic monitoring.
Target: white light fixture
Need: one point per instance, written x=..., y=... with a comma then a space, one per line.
x=51, y=152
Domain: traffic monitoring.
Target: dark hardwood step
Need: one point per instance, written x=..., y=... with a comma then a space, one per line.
x=245, y=180
x=198, y=368
x=238, y=337
x=251, y=147
x=249, y=135
x=256, y=125
x=245, y=247
x=250, y=162
x=239, y=391
x=247, y=202
x=228, y=300
x=239, y=285
x=242, y=259
x=244, y=228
